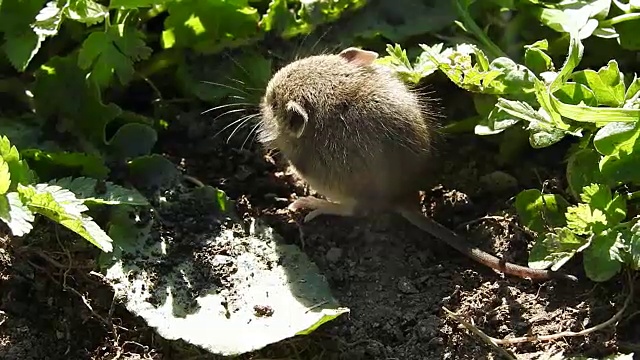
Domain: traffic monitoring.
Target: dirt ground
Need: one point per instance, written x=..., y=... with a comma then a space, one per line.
x=395, y=279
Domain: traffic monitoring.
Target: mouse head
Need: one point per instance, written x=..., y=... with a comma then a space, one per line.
x=305, y=92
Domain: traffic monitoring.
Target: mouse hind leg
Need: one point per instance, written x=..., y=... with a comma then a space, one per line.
x=322, y=207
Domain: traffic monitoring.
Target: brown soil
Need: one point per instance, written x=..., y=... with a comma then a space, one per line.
x=395, y=279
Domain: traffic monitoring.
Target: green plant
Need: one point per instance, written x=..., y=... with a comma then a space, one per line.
x=600, y=108
x=63, y=201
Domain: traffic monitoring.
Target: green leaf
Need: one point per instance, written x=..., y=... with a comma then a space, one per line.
x=83, y=113
x=633, y=246
x=5, y=176
x=607, y=84
x=583, y=169
x=457, y=64
x=132, y=140
x=15, y=214
x=538, y=212
x=153, y=171
x=86, y=11
x=620, y=145
x=582, y=219
x=555, y=248
x=496, y=122
x=280, y=19
x=113, y=52
x=575, y=94
x=62, y=206
x=398, y=62
x=19, y=170
x=229, y=73
x=634, y=88
x=602, y=259
x=52, y=164
x=599, y=196
x=210, y=25
x=100, y=192
x=628, y=34
x=21, y=41
x=573, y=16
x=135, y=4
x=536, y=59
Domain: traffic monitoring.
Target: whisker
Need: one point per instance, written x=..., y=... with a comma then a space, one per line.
x=237, y=64
x=251, y=132
x=227, y=113
x=320, y=39
x=236, y=80
x=238, y=97
x=225, y=106
x=245, y=119
x=224, y=86
x=231, y=124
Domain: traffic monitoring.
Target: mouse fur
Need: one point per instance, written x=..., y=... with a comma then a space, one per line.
x=349, y=127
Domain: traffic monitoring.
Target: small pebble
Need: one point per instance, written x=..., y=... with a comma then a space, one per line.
x=405, y=286
x=334, y=254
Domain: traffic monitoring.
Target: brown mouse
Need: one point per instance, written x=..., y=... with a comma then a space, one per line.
x=359, y=136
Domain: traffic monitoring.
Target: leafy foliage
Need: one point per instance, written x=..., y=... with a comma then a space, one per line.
x=62, y=201
x=551, y=103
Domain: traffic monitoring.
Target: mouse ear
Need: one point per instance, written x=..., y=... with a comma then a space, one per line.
x=358, y=56
x=297, y=118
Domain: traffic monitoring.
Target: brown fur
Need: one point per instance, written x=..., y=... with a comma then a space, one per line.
x=361, y=138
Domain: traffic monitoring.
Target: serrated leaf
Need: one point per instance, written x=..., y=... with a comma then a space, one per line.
x=538, y=212
x=21, y=42
x=63, y=207
x=582, y=219
x=555, y=248
x=208, y=26
x=48, y=20
x=86, y=11
x=114, y=52
x=607, y=84
x=100, y=192
x=21, y=48
x=133, y=140
x=15, y=214
x=83, y=114
x=602, y=259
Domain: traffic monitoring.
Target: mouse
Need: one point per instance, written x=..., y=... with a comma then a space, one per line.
x=364, y=140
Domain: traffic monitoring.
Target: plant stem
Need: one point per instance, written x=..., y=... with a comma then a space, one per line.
x=620, y=18
x=633, y=196
x=478, y=33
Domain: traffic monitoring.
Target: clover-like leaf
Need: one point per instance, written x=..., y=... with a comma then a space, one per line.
x=538, y=211
x=555, y=248
x=602, y=259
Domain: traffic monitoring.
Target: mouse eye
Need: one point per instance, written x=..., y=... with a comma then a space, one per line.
x=297, y=118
